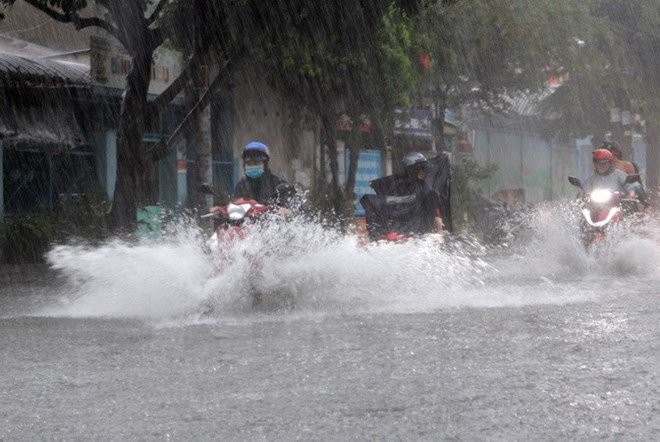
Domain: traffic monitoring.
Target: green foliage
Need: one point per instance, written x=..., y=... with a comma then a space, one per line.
x=26, y=238
x=482, y=50
x=399, y=75
x=466, y=174
x=615, y=65
x=320, y=54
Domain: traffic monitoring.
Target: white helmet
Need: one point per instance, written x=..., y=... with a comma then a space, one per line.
x=413, y=158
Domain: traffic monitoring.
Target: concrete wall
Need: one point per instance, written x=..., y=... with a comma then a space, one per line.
x=564, y=164
x=539, y=168
x=528, y=165
x=260, y=114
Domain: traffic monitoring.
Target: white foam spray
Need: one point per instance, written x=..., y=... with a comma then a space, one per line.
x=323, y=272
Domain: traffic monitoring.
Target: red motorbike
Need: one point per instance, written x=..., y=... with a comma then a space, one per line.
x=231, y=225
x=602, y=209
x=234, y=221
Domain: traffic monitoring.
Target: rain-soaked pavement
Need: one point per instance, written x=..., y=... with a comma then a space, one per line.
x=411, y=341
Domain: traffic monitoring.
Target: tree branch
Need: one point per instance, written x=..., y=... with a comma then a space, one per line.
x=160, y=150
x=51, y=12
x=78, y=22
x=154, y=15
x=86, y=22
x=175, y=87
x=157, y=36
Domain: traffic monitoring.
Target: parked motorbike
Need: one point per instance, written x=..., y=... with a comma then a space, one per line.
x=602, y=209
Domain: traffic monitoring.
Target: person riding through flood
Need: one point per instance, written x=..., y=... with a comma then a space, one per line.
x=618, y=160
x=259, y=183
x=606, y=176
x=626, y=166
x=415, y=167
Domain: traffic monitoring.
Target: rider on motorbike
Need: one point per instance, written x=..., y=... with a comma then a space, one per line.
x=260, y=192
x=618, y=160
x=415, y=165
x=606, y=176
x=627, y=167
x=259, y=183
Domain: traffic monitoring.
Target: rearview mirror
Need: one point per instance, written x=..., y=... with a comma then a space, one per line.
x=206, y=189
x=575, y=181
x=633, y=178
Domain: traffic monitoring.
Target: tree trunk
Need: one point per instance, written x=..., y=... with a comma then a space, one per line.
x=200, y=134
x=201, y=80
x=129, y=188
x=354, y=146
x=653, y=158
x=331, y=146
x=140, y=43
x=438, y=126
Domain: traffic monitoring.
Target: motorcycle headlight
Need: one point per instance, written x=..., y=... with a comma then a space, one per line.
x=600, y=196
x=237, y=212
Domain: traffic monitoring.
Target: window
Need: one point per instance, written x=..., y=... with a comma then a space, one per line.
x=34, y=180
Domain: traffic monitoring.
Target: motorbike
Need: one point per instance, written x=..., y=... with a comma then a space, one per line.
x=234, y=221
x=395, y=219
x=231, y=225
x=602, y=209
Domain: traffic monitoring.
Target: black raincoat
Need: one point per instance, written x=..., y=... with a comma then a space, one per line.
x=262, y=189
x=405, y=204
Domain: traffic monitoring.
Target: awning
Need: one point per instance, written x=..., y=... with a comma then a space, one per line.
x=16, y=71
x=37, y=102
x=50, y=127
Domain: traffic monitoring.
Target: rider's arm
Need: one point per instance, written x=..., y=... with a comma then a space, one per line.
x=628, y=188
x=438, y=225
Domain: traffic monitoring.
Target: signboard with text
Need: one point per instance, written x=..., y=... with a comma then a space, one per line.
x=415, y=121
x=368, y=169
x=109, y=66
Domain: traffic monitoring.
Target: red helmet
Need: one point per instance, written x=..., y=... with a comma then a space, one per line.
x=603, y=154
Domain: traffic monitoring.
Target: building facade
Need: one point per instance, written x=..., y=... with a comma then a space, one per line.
x=89, y=68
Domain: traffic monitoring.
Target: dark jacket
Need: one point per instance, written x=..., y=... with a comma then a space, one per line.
x=262, y=189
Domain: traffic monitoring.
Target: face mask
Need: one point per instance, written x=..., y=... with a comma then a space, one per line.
x=254, y=172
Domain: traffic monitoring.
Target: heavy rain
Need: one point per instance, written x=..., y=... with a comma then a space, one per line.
x=353, y=219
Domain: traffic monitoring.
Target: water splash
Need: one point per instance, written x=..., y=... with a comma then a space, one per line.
x=552, y=246
x=319, y=271
x=121, y=279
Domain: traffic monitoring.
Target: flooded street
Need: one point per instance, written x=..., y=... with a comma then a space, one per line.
x=511, y=345
x=329, y=220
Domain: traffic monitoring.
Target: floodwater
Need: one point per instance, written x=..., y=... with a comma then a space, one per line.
x=535, y=341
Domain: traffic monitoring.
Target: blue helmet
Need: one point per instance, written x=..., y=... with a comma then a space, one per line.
x=256, y=149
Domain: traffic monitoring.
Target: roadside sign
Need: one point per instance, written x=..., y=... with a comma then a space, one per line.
x=368, y=169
